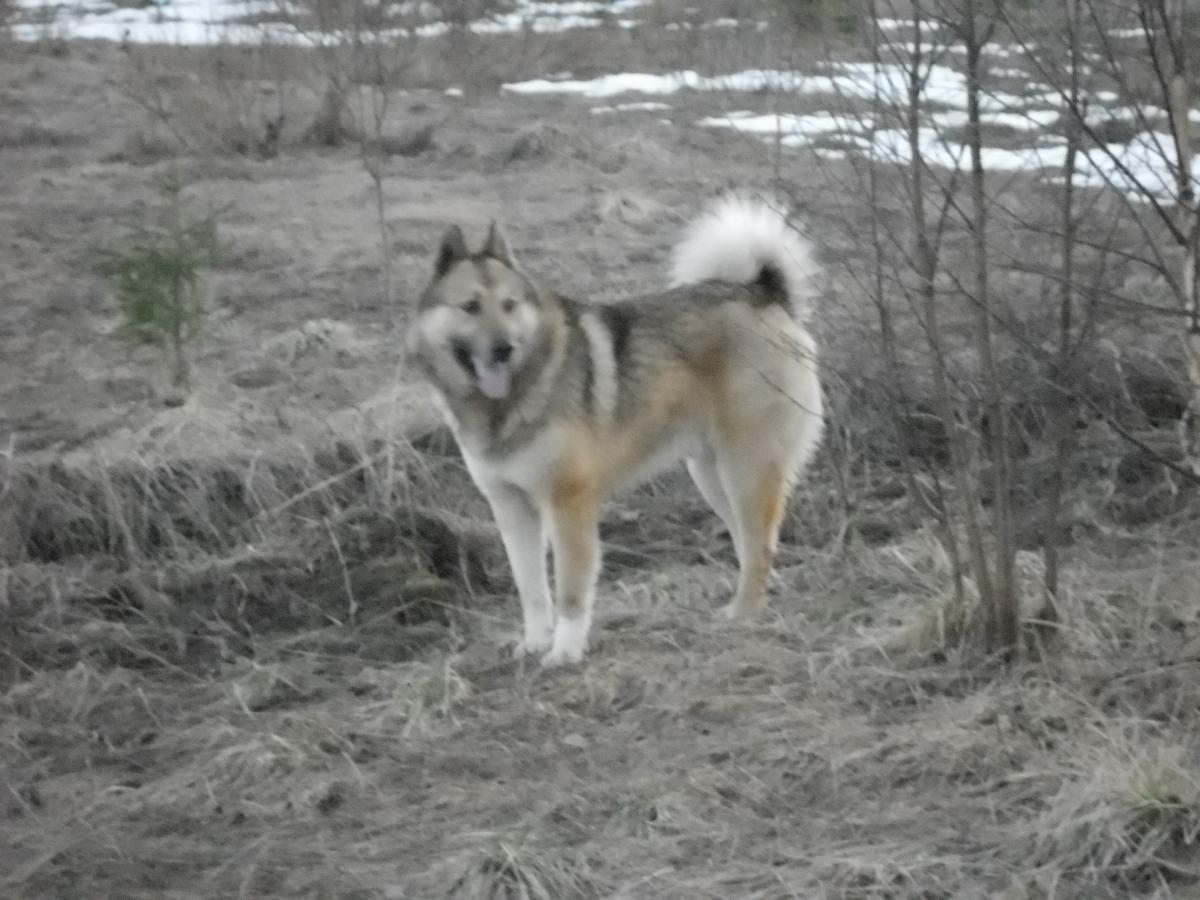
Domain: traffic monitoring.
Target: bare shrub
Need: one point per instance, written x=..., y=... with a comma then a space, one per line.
x=995, y=424
x=238, y=100
x=7, y=13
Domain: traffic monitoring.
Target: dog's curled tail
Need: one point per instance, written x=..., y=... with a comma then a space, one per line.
x=745, y=241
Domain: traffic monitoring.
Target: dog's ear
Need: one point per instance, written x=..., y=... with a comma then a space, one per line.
x=496, y=246
x=452, y=249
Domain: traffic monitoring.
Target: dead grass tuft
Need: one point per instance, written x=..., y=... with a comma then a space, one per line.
x=1128, y=810
x=511, y=871
x=410, y=698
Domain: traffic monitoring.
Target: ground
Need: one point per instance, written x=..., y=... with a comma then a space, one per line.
x=255, y=642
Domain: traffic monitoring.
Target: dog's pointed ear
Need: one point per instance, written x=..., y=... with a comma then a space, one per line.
x=496, y=246
x=452, y=249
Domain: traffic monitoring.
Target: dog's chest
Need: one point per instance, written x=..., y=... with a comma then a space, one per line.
x=531, y=468
x=614, y=459
x=527, y=467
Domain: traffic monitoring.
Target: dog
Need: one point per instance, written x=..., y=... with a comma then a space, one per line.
x=557, y=404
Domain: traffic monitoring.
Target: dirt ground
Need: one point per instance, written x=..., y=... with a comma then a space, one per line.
x=253, y=642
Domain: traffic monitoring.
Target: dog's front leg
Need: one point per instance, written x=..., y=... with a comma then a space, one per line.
x=575, y=537
x=520, y=525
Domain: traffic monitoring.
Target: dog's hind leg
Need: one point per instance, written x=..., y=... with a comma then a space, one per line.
x=574, y=516
x=766, y=425
x=703, y=470
x=520, y=525
x=758, y=490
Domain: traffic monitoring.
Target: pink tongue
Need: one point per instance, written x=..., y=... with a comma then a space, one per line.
x=494, y=380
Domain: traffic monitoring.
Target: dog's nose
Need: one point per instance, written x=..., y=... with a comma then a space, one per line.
x=501, y=351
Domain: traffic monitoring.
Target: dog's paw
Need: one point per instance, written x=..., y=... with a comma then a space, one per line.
x=570, y=643
x=735, y=612
x=559, y=657
x=533, y=644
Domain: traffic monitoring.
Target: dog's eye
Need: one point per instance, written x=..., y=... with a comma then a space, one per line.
x=471, y=307
x=509, y=305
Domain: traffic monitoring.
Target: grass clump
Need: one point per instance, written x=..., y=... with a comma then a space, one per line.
x=510, y=872
x=408, y=699
x=1129, y=815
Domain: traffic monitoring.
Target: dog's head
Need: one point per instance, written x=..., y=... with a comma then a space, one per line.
x=480, y=321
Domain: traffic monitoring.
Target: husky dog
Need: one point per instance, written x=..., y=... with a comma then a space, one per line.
x=557, y=404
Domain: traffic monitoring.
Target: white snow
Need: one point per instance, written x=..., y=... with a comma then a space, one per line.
x=1138, y=32
x=199, y=22
x=886, y=82
x=791, y=130
x=185, y=22
x=648, y=106
x=1139, y=167
x=1022, y=121
x=670, y=83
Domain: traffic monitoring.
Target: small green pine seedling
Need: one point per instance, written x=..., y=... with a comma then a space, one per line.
x=156, y=278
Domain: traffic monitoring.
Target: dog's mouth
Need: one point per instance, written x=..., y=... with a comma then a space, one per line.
x=492, y=373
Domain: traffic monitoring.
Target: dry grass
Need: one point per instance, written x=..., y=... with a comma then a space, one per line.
x=240, y=658
x=509, y=872
x=811, y=754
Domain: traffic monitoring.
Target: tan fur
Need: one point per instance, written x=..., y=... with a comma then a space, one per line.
x=592, y=398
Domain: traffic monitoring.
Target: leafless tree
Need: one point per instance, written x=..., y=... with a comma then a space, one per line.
x=969, y=392
x=363, y=47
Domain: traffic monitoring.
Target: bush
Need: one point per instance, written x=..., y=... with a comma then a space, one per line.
x=156, y=278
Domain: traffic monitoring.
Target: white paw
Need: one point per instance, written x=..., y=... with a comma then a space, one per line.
x=562, y=656
x=732, y=612
x=570, y=643
x=534, y=642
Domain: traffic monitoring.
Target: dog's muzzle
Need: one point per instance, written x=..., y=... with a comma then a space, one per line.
x=492, y=370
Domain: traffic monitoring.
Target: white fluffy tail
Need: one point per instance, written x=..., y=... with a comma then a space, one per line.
x=736, y=239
